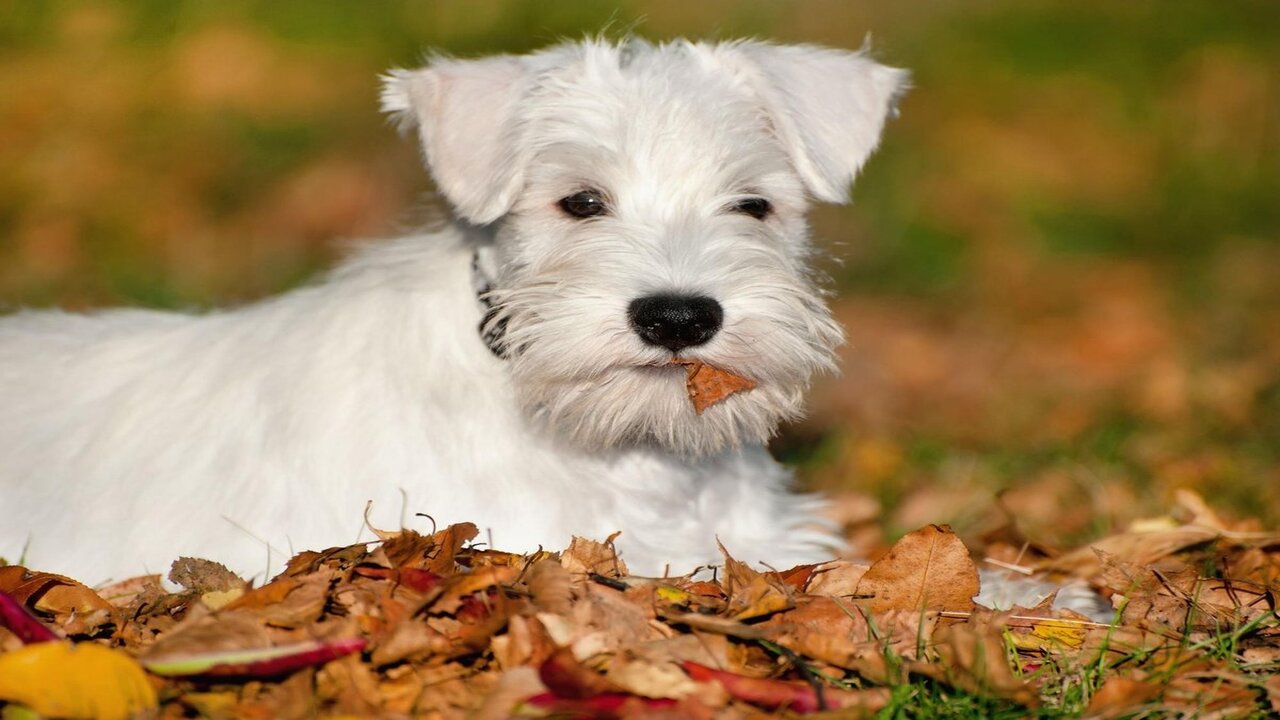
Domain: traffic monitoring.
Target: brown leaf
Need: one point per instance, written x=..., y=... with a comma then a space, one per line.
x=1139, y=548
x=567, y=677
x=1211, y=692
x=74, y=607
x=1121, y=696
x=133, y=592
x=410, y=639
x=550, y=587
x=838, y=578
x=588, y=556
x=453, y=592
x=226, y=631
x=202, y=576
x=708, y=385
x=525, y=643
x=752, y=594
x=1272, y=685
x=973, y=659
x=287, y=602
x=839, y=633
x=436, y=553
x=649, y=678
x=927, y=569
x=795, y=696
x=514, y=686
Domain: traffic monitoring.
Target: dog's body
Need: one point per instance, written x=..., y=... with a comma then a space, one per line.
x=509, y=370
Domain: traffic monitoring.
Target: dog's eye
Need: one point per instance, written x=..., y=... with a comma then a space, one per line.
x=585, y=204
x=756, y=207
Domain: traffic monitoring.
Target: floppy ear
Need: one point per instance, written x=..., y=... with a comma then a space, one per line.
x=465, y=113
x=828, y=107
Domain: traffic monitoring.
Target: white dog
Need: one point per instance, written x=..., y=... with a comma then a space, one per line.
x=619, y=206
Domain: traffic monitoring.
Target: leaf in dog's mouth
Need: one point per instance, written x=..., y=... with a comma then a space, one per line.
x=708, y=385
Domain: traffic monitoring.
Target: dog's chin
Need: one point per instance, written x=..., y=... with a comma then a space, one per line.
x=647, y=406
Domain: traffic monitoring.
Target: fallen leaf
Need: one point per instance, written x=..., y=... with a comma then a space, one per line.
x=795, y=696
x=752, y=594
x=58, y=679
x=653, y=679
x=607, y=705
x=839, y=633
x=974, y=659
x=566, y=677
x=264, y=662
x=708, y=385
x=591, y=557
x=1135, y=547
x=204, y=576
x=837, y=578
x=1121, y=696
x=18, y=620
x=1272, y=685
x=514, y=687
x=927, y=569
x=73, y=606
x=550, y=587
x=288, y=601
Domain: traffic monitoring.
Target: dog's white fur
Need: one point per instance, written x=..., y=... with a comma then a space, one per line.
x=130, y=437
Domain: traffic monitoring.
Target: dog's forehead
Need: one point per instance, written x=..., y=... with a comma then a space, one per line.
x=670, y=106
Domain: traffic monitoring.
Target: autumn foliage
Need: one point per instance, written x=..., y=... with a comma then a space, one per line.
x=435, y=626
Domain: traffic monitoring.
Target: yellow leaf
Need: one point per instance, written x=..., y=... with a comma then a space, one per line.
x=1049, y=635
x=1063, y=633
x=59, y=679
x=218, y=599
x=673, y=595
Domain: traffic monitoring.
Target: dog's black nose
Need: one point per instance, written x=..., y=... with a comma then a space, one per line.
x=675, y=322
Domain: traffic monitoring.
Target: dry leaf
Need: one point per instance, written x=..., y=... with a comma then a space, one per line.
x=550, y=587
x=752, y=594
x=204, y=576
x=1137, y=547
x=795, y=696
x=838, y=578
x=974, y=659
x=58, y=679
x=927, y=569
x=287, y=602
x=588, y=556
x=708, y=385
x=515, y=686
x=1121, y=696
x=75, y=608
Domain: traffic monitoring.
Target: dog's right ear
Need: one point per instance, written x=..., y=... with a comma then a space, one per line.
x=465, y=113
x=828, y=106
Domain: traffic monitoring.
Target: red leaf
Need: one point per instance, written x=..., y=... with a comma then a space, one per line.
x=21, y=622
x=772, y=694
x=261, y=663
x=410, y=577
x=567, y=678
x=600, y=707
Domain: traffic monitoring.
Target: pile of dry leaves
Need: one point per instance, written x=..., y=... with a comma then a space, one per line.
x=428, y=626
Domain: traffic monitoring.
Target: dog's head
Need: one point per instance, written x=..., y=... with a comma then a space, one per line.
x=649, y=205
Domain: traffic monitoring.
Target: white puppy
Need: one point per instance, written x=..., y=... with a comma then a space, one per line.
x=618, y=206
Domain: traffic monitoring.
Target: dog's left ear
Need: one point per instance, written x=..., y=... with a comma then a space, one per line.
x=465, y=113
x=827, y=106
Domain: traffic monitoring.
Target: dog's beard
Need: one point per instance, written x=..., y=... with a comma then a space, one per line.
x=581, y=374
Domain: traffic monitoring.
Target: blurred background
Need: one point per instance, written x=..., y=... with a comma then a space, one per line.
x=1060, y=276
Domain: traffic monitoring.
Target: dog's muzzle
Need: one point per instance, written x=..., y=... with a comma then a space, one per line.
x=675, y=321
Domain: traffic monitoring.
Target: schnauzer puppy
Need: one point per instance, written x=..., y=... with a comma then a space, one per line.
x=622, y=211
